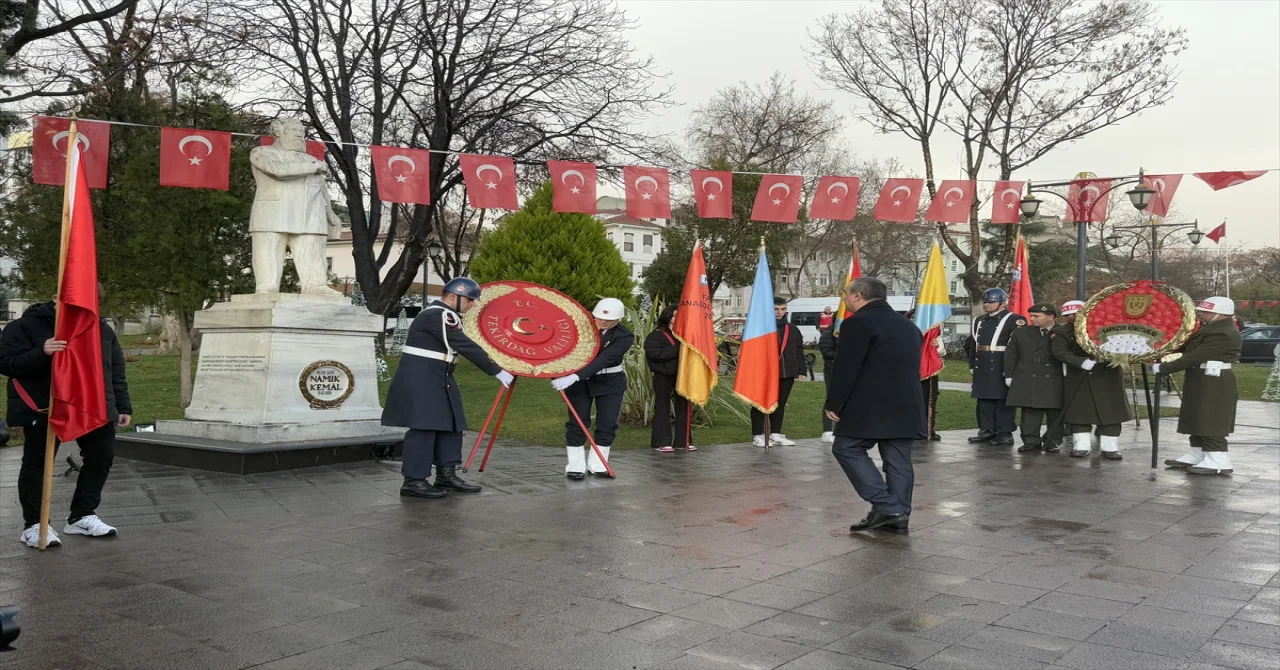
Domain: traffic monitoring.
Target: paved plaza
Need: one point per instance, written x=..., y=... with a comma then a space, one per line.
x=731, y=557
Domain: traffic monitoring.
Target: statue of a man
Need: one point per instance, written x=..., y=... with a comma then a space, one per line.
x=291, y=210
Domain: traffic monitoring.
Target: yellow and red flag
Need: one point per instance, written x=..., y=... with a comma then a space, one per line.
x=695, y=328
x=855, y=271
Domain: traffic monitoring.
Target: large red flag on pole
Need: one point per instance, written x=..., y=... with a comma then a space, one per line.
x=1020, y=299
x=695, y=328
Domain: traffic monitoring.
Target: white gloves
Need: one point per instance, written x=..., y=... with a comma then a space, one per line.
x=1008, y=381
x=1155, y=368
x=1088, y=365
x=505, y=377
x=564, y=382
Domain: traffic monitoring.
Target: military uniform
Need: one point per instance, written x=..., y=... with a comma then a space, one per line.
x=1036, y=386
x=602, y=382
x=986, y=360
x=1209, y=391
x=1092, y=397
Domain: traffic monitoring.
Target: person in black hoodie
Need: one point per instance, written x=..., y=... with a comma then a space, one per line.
x=662, y=352
x=26, y=358
x=790, y=368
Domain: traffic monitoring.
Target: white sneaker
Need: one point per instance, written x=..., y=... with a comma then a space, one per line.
x=31, y=537
x=779, y=438
x=829, y=437
x=90, y=525
x=758, y=440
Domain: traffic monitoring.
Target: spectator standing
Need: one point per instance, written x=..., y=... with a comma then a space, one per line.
x=827, y=345
x=662, y=353
x=826, y=320
x=790, y=368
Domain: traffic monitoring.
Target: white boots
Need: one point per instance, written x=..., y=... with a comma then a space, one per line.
x=577, y=467
x=1081, y=444
x=1214, y=463
x=594, y=464
x=1186, y=460
x=1110, y=447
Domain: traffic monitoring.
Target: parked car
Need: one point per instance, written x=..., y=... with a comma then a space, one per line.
x=1258, y=345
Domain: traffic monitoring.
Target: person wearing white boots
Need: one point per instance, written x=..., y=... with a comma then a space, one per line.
x=601, y=382
x=1209, y=391
x=1094, y=391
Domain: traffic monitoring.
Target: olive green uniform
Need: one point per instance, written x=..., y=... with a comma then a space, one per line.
x=1099, y=394
x=1208, y=412
x=1036, y=385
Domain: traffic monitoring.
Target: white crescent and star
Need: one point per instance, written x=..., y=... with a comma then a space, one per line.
x=195, y=160
x=1016, y=194
x=1091, y=187
x=401, y=158
x=712, y=180
x=786, y=192
x=894, y=193
x=959, y=191
x=1159, y=185
x=834, y=184
x=582, y=181
x=643, y=179
x=80, y=139
x=485, y=168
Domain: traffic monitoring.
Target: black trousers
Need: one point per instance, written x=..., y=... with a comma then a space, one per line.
x=775, y=419
x=930, y=389
x=890, y=494
x=424, y=448
x=664, y=396
x=1208, y=443
x=994, y=416
x=1032, y=418
x=827, y=424
x=1110, y=429
x=608, y=409
x=97, y=449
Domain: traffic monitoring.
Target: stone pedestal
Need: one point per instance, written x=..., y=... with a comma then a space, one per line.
x=282, y=367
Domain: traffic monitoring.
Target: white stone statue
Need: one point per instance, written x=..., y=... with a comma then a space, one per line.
x=291, y=210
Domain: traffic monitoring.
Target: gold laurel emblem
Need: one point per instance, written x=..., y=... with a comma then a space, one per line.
x=583, y=351
x=1137, y=304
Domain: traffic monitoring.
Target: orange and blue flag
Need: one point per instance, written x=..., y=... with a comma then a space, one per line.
x=757, y=380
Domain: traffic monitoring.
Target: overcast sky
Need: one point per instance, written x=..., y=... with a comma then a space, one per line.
x=1225, y=114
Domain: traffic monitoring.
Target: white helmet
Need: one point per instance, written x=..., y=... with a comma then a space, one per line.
x=1217, y=305
x=1071, y=307
x=609, y=309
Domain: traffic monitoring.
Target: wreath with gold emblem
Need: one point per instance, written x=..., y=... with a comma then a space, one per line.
x=1136, y=322
x=531, y=330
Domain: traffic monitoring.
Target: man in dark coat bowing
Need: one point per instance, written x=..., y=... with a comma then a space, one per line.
x=875, y=399
x=424, y=396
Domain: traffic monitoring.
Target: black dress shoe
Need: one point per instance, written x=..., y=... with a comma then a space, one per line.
x=935, y=437
x=419, y=488
x=447, y=478
x=1029, y=447
x=1112, y=455
x=1052, y=448
x=1002, y=441
x=576, y=476
x=1079, y=453
x=875, y=520
x=984, y=436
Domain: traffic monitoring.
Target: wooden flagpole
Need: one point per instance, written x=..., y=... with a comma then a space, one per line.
x=50, y=440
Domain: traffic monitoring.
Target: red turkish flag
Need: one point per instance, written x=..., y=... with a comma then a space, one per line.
x=314, y=147
x=491, y=181
x=1086, y=202
x=648, y=192
x=1006, y=202
x=1218, y=233
x=195, y=158
x=49, y=150
x=1220, y=180
x=951, y=203
x=573, y=186
x=778, y=199
x=404, y=175
x=899, y=200
x=836, y=198
x=79, y=390
x=713, y=191
x=1165, y=185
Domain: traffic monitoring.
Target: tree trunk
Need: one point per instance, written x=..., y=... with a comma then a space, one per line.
x=185, y=322
x=170, y=335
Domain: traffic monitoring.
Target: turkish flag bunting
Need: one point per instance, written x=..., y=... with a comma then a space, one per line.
x=491, y=181
x=778, y=199
x=713, y=191
x=648, y=192
x=314, y=147
x=1006, y=202
x=79, y=390
x=195, y=158
x=1220, y=180
x=1086, y=202
x=836, y=198
x=1165, y=185
x=404, y=175
x=573, y=186
x=1218, y=233
x=951, y=203
x=49, y=150
x=899, y=200
x=1244, y=304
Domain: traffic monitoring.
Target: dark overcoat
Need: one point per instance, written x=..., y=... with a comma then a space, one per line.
x=662, y=352
x=875, y=384
x=614, y=345
x=791, y=351
x=988, y=366
x=1208, y=403
x=423, y=393
x=1036, y=374
x=1098, y=398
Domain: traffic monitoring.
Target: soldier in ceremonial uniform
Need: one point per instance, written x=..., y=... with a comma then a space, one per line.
x=602, y=382
x=424, y=396
x=1094, y=393
x=1209, y=392
x=991, y=335
x=1034, y=378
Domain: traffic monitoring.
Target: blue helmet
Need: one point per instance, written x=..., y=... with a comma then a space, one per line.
x=995, y=295
x=463, y=286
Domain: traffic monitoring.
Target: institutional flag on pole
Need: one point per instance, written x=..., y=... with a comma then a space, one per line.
x=1020, y=299
x=1006, y=202
x=404, y=175
x=933, y=305
x=1220, y=180
x=757, y=381
x=49, y=150
x=1165, y=186
x=698, y=372
x=491, y=181
x=952, y=202
x=713, y=191
x=195, y=158
x=648, y=192
x=1218, y=233
x=836, y=198
x=778, y=198
x=855, y=271
x=899, y=200
x=79, y=390
x=573, y=187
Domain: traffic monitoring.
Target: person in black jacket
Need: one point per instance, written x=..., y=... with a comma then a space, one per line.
x=790, y=368
x=827, y=343
x=662, y=353
x=875, y=399
x=602, y=381
x=27, y=348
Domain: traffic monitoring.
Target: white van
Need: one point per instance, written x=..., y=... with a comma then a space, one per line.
x=804, y=312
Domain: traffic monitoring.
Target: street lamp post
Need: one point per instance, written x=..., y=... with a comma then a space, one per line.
x=434, y=250
x=1195, y=236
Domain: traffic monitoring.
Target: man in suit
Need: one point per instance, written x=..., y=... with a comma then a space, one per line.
x=991, y=333
x=1034, y=378
x=602, y=381
x=424, y=397
x=875, y=399
x=790, y=368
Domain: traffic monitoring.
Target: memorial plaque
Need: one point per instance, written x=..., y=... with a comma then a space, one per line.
x=326, y=384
